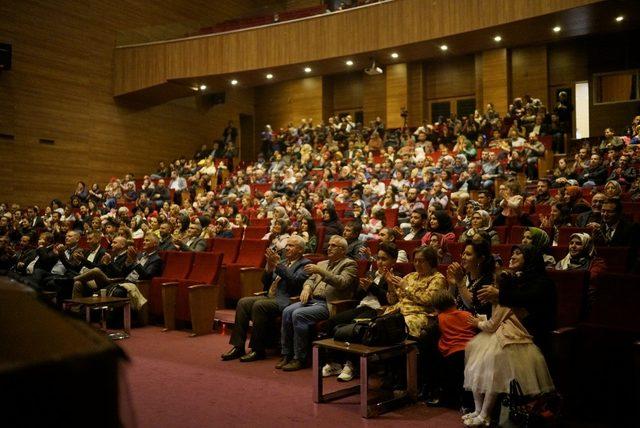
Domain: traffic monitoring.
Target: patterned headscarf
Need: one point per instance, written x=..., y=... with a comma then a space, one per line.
x=582, y=260
x=539, y=239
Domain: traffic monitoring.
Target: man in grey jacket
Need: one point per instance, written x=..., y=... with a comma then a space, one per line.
x=333, y=279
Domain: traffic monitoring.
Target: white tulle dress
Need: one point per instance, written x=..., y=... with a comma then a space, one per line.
x=502, y=351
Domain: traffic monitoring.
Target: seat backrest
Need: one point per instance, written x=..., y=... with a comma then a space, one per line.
x=228, y=247
x=255, y=232
x=571, y=295
x=564, y=233
x=238, y=232
x=252, y=252
x=206, y=267
x=260, y=222
x=456, y=249
x=403, y=269
x=320, y=230
x=616, y=302
x=363, y=267
x=616, y=258
x=503, y=232
x=408, y=246
x=178, y=264
x=391, y=217
x=373, y=245
x=504, y=251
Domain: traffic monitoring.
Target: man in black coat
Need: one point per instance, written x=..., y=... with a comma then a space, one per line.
x=592, y=218
x=615, y=230
x=281, y=280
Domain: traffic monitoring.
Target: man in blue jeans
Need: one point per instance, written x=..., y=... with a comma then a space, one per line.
x=333, y=279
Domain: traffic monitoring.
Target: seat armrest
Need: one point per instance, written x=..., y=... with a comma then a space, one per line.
x=170, y=284
x=260, y=293
x=338, y=306
x=198, y=286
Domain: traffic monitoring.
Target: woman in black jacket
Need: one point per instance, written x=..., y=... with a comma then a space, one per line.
x=532, y=296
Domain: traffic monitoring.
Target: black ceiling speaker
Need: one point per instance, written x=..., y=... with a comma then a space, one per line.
x=5, y=56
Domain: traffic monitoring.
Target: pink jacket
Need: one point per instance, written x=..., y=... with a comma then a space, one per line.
x=506, y=325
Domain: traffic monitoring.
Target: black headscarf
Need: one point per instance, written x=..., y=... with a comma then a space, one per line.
x=533, y=261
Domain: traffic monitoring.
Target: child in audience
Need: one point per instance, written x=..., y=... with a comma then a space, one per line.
x=501, y=352
x=455, y=333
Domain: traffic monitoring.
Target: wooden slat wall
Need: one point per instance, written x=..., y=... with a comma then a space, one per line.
x=374, y=94
x=415, y=82
x=529, y=72
x=450, y=78
x=495, y=79
x=61, y=88
x=320, y=38
x=397, y=94
x=347, y=91
x=289, y=101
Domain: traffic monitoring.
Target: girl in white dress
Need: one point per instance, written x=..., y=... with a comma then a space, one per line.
x=502, y=351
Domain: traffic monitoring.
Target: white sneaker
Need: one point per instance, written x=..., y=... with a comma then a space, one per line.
x=331, y=369
x=347, y=372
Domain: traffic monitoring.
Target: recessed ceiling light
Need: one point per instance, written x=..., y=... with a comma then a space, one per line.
x=444, y=47
x=349, y=63
x=234, y=82
x=497, y=38
x=203, y=87
x=269, y=76
x=620, y=18
x=194, y=88
x=557, y=29
x=307, y=69
x=394, y=55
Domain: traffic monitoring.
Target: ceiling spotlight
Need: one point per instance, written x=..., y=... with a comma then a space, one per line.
x=349, y=63
x=444, y=47
x=234, y=82
x=497, y=38
x=620, y=18
x=269, y=76
x=307, y=69
x=394, y=55
x=203, y=87
x=557, y=29
x=194, y=88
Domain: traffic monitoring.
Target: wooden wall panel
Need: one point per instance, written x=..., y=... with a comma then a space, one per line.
x=529, y=72
x=374, y=94
x=450, y=78
x=397, y=94
x=290, y=101
x=347, y=91
x=415, y=88
x=316, y=38
x=61, y=88
x=495, y=79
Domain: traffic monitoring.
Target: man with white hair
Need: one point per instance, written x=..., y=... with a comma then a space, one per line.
x=281, y=280
x=333, y=279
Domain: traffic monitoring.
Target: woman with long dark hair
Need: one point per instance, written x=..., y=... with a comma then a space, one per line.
x=475, y=270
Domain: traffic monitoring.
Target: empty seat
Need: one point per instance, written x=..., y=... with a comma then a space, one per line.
x=228, y=247
x=251, y=255
x=571, y=294
x=177, y=266
x=617, y=259
x=255, y=232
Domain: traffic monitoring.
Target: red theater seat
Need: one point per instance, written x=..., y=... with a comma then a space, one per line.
x=227, y=247
x=255, y=232
x=176, y=267
x=571, y=292
x=564, y=233
x=251, y=259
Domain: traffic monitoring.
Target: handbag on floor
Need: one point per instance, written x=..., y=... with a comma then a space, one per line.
x=542, y=410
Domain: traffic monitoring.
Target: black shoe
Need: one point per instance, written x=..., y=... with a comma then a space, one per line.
x=233, y=354
x=253, y=356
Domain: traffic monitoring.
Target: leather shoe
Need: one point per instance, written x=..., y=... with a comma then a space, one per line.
x=233, y=353
x=293, y=366
x=252, y=356
x=283, y=362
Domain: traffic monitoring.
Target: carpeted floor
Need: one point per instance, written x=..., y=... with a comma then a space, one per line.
x=174, y=380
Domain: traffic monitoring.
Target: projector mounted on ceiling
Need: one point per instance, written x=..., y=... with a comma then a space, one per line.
x=374, y=70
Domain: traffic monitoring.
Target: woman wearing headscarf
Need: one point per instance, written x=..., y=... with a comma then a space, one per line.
x=539, y=240
x=439, y=223
x=582, y=255
x=480, y=222
x=574, y=201
x=532, y=294
x=331, y=224
x=612, y=189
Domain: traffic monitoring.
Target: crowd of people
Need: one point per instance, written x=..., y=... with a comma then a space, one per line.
x=450, y=181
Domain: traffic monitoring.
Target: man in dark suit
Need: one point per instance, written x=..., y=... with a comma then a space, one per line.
x=281, y=280
x=42, y=262
x=615, y=230
x=592, y=218
x=166, y=240
x=24, y=255
x=144, y=265
x=60, y=277
x=193, y=241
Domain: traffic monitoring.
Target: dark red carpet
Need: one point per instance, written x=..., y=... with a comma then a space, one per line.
x=177, y=381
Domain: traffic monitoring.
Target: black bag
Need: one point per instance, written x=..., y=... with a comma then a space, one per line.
x=352, y=333
x=385, y=330
x=539, y=411
x=115, y=290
